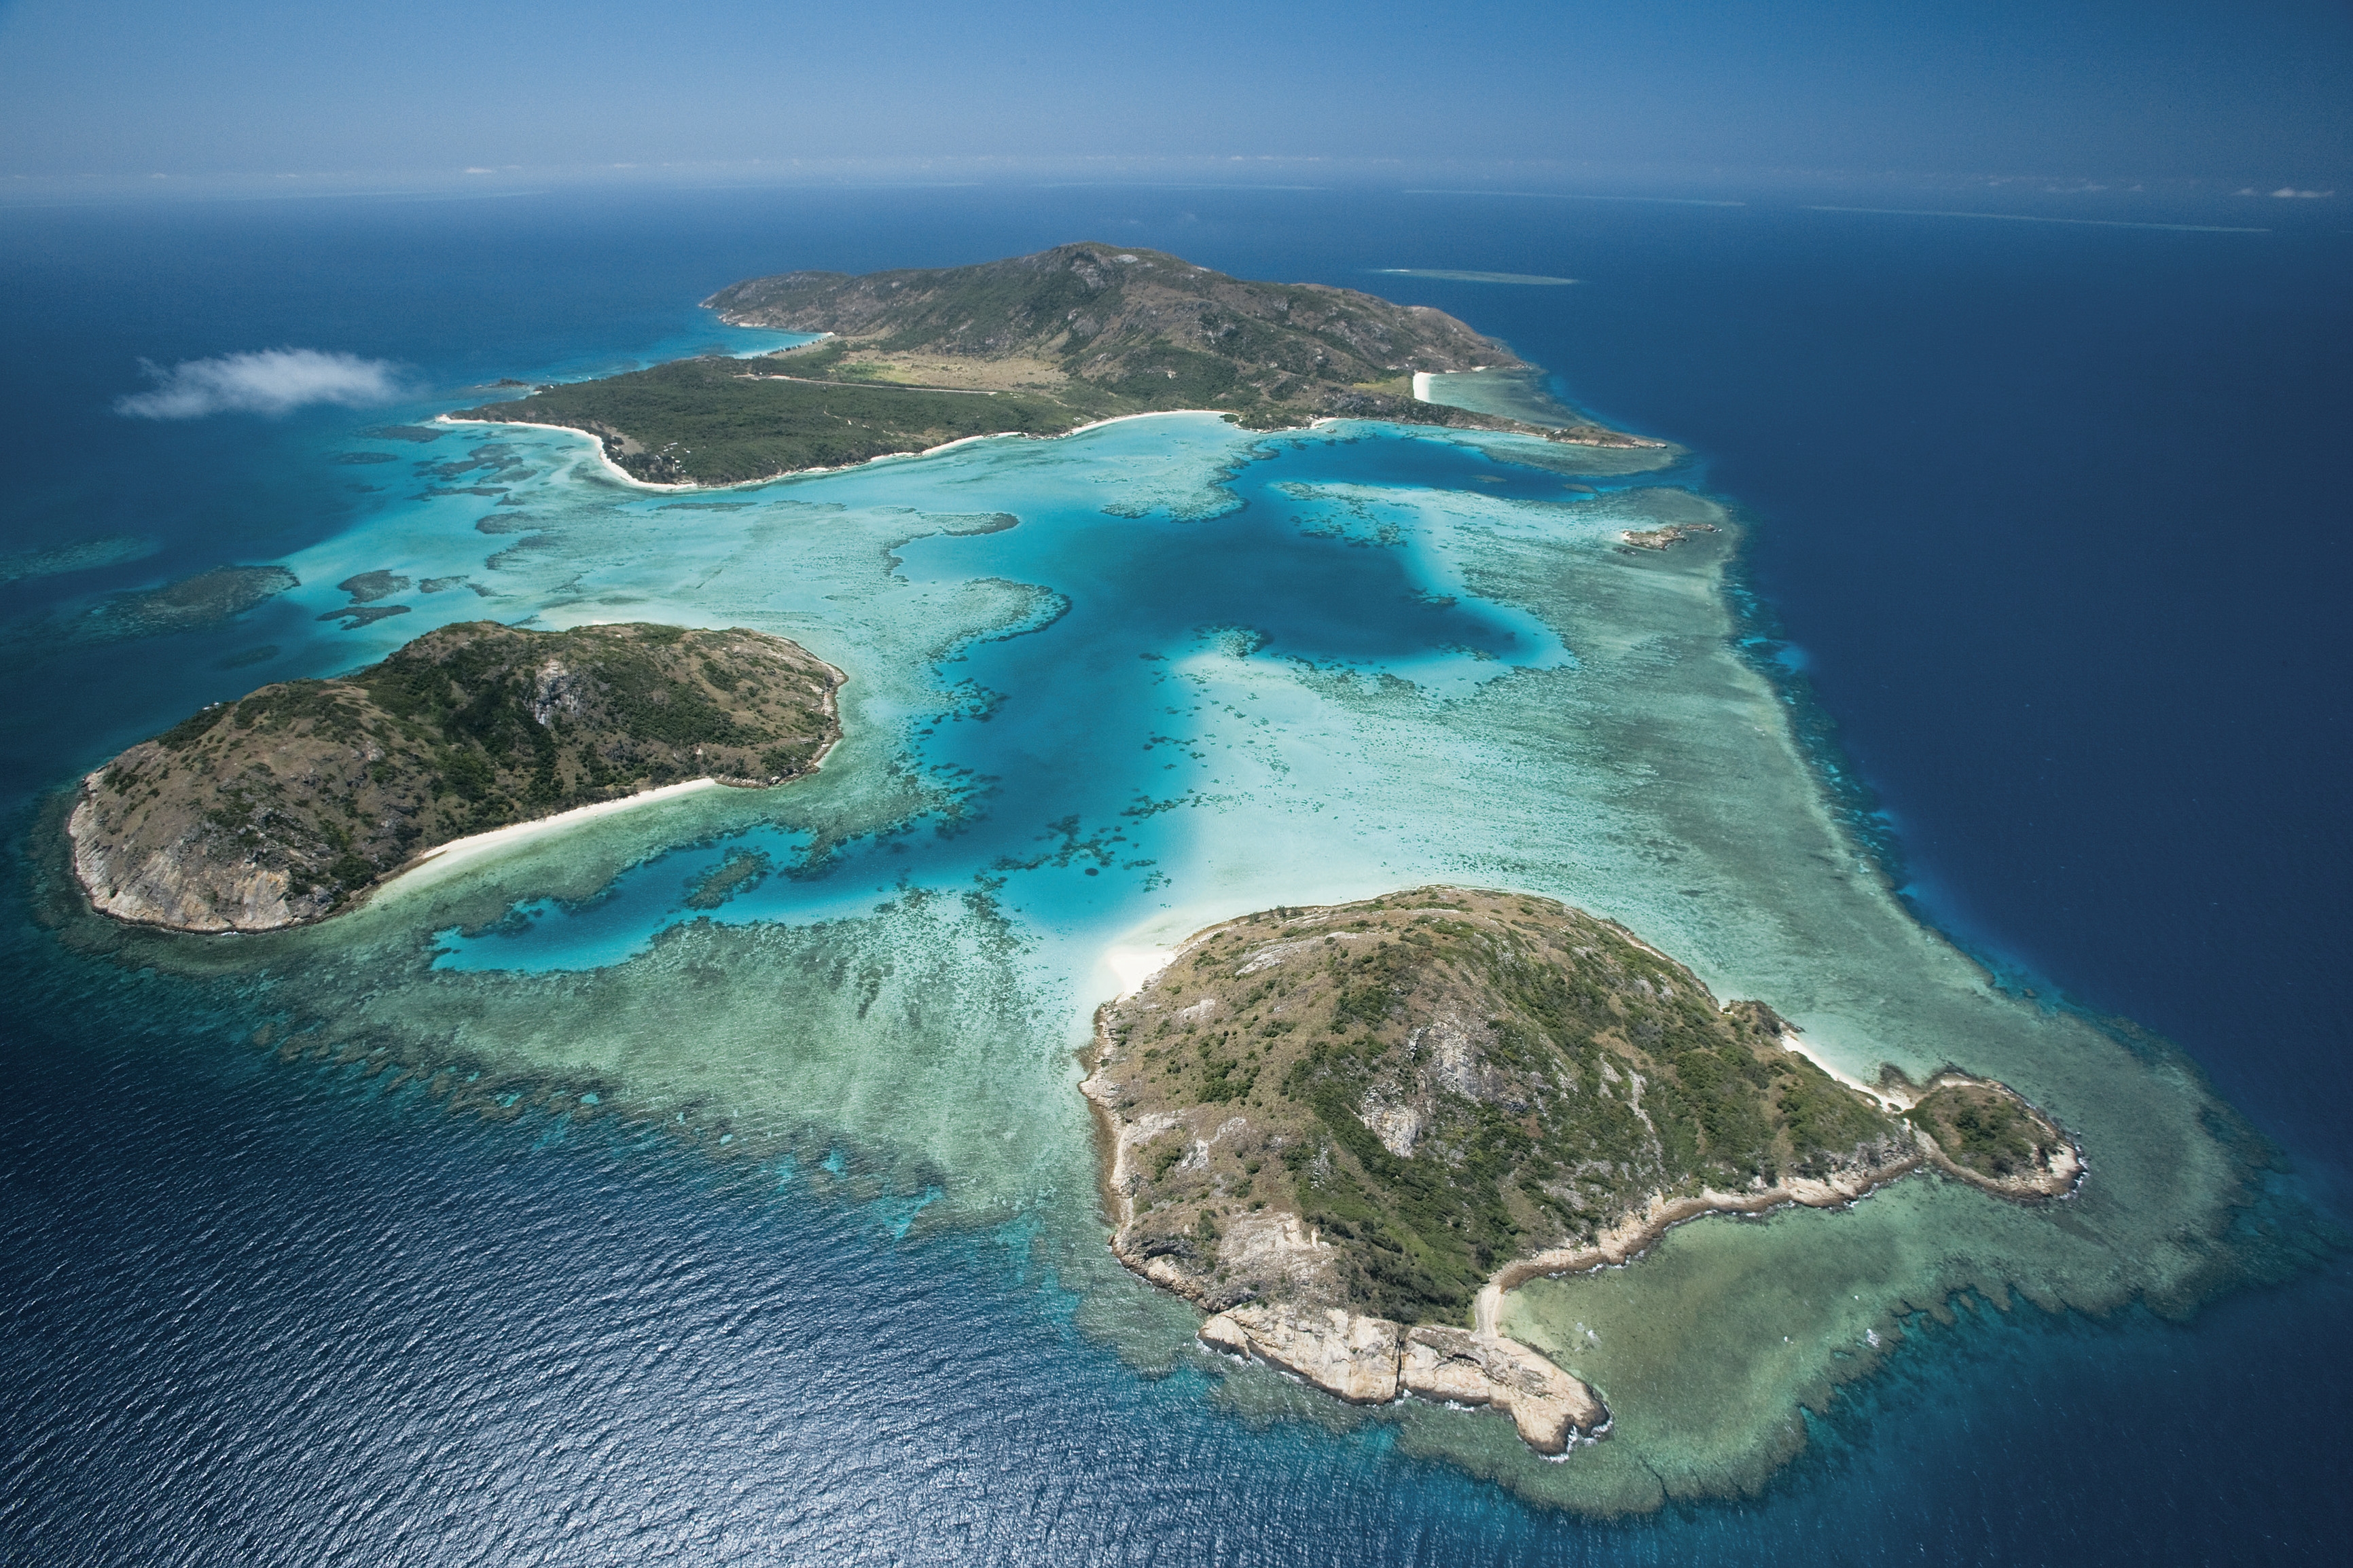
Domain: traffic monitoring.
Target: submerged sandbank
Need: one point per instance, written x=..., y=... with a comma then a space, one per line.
x=917, y=1030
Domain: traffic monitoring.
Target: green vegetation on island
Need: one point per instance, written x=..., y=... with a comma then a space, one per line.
x=1034, y=345
x=1989, y=1132
x=281, y=806
x=1438, y=1082
x=1345, y=1130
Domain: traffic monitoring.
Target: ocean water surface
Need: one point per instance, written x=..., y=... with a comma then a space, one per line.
x=531, y=1214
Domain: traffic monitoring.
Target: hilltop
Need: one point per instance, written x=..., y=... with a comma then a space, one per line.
x=1033, y=344
x=284, y=805
x=1345, y=1130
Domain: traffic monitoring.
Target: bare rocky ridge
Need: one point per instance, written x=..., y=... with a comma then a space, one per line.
x=1347, y=1131
x=284, y=805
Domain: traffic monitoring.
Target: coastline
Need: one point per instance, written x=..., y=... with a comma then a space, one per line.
x=468, y=848
x=1622, y=1243
x=1291, y=1322
x=622, y=475
x=477, y=844
x=1353, y=1357
x=456, y=849
x=1792, y=1042
x=1637, y=1234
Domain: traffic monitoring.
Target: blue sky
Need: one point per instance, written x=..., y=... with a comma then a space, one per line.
x=2249, y=90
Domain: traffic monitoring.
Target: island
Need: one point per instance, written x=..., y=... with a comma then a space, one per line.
x=1665, y=538
x=1035, y=345
x=287, y=804
x=1346, y=1132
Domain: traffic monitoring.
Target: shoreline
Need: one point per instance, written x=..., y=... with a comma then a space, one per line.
x=475, y=844
x=1792, y=1042
x=517, y=832
x=1637, y=1234
x=1350, y=1355
x=616, y=472
x=472, y=845
x=1346, y=1353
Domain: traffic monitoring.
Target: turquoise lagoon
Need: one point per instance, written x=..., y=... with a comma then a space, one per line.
x=1108, y=688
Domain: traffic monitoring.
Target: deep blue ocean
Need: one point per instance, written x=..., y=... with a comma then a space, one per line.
x=2043, y=523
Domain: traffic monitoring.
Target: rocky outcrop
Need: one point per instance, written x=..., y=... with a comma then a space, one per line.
x=1283, y=1100
x=1340, y=1352
x=1548, y=1406
x=175, y=883
x=1372, y=1360
x=1988, y=1135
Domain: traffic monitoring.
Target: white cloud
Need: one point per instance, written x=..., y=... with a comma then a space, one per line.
x=2291, y=192
x=272, y=380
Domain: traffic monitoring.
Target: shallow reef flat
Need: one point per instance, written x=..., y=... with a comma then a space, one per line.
x=1210, y=672
x=1519, y=393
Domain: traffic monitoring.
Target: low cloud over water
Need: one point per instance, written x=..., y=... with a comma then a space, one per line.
x=270, y=380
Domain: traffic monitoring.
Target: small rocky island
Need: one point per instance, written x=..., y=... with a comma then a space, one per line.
x=1031, y=345
x=1346, y=1132
x=283, y=806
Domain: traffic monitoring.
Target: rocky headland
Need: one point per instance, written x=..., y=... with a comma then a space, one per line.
x=283, y=806
x=1346, y=1132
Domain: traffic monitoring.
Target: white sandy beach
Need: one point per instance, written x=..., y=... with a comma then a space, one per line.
x=625, y=477
x=1132, y=966
x=475, y=845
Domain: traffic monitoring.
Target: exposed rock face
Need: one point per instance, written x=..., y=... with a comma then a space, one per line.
x=1547, y=1404
x=177, y=884
x=1341, y=1352
x=1371, y=1360
x=278, y=808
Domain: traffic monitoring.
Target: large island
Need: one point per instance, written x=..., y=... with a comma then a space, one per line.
x=1346, y=1132
x=1033, y=345
x=283, y=806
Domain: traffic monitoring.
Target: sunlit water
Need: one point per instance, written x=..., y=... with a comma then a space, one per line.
x=771, y=1227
